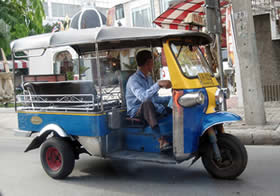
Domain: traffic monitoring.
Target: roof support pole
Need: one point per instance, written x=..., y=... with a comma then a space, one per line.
x=99, y=75
x=79, y=66
x=14, y=75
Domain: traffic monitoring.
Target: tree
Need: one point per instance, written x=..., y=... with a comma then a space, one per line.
x=60, y=25
x=4, y=36
x=23, y=18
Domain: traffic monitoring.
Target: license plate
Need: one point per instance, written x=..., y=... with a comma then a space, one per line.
x=205, y=79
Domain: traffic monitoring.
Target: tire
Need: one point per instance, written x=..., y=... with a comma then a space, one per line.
x=234, y=158
x=57, y=157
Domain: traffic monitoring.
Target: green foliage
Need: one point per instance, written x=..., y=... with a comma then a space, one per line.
x=4, y=36
x=156, y=68
x=70, y=75
x=83, y=69
x=61, y=25
x=24, y=17
x=48, y=28
x=132, y=65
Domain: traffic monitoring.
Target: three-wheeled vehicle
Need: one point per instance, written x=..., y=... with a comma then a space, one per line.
x=89, y=116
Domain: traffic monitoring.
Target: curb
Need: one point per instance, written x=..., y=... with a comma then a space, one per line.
x=257, y=137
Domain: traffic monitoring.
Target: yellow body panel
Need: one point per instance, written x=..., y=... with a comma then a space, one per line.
x=211, y=100
x=178, y=80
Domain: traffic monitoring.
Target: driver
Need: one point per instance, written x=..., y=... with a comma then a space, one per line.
x=142, y=99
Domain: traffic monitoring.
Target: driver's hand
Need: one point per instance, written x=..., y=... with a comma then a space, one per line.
x=164, y=84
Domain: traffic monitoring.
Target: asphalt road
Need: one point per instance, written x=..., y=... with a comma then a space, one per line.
x=22, y=174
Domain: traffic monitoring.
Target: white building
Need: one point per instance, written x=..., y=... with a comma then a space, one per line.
x=138, y=13
x=56, y=10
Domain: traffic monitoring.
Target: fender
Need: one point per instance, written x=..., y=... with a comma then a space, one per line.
x=218, y=118
x=43, y=134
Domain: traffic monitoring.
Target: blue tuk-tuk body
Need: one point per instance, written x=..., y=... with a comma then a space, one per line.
x=89, y=115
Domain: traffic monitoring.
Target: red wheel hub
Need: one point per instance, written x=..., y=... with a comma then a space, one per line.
x=53, y=158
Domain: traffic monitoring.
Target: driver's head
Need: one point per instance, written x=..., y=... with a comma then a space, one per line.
x=142, y=57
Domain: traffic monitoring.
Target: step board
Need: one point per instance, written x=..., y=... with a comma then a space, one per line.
x=143, y=156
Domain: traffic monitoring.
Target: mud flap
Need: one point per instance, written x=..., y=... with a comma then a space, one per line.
x=36, y=142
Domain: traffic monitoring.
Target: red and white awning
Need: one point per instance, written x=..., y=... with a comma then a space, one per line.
x=19, y=64
x=174, y=17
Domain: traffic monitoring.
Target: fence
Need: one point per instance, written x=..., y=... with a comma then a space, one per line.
x=271, y=92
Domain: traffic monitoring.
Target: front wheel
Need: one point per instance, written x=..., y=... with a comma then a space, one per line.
x=234, y=158
x=57, y=157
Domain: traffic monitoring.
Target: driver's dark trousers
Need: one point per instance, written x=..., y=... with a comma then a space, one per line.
x=148, y=113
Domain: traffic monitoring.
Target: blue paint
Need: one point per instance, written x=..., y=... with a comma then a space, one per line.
x=72, y=124
x=138, y=139
x=218, y=118
x=142, y=139
x=196, y=121
x=141, y=142
x=193, y=117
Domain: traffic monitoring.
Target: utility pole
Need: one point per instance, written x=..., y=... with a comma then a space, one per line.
x=214, y=26
x=249, y=64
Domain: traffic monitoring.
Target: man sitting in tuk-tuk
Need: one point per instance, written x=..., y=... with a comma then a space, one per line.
x=142, y=98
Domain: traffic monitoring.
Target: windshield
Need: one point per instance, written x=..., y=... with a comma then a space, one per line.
x=190, y=59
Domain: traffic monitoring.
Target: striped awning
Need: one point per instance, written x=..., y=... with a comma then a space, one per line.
x=175, y=16
x=19, y=64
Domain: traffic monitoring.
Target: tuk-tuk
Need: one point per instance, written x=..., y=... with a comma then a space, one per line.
x=89, y=115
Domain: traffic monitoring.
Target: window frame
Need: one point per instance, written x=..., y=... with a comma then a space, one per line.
x=179, y=65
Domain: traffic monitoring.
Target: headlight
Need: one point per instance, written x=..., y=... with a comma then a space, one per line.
x=219, y=97
x=191, y=99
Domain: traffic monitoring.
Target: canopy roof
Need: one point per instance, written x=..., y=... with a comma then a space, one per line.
x=84, y=40
x=174, y=17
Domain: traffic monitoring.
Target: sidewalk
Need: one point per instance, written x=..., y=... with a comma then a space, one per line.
x=258, y=135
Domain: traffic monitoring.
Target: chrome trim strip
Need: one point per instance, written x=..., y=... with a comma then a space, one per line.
x=55, y=128
x=178, y=131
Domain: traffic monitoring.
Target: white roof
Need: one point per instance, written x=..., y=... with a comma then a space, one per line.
x=107, y=38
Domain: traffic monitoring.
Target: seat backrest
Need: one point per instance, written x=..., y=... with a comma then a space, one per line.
x=66, y=87
x=123, y=80
x=44, y=78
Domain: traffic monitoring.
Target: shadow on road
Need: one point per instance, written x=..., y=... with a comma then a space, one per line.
x=130, y=176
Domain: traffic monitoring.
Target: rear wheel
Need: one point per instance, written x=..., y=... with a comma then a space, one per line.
x=57, y=157
x=234, y=158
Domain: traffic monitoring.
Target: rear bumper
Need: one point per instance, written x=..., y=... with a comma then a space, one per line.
x=22, y=133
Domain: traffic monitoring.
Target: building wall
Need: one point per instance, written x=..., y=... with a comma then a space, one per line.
x=156, y=7
x=268, y=51
x=56, y=10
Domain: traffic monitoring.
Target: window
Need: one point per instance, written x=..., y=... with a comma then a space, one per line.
x=165, y=4
x=141, y=17
x=190, y=59
x=119, y=12
x=46, y=8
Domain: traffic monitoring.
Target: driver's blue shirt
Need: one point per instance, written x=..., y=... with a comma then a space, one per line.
x=139, y=89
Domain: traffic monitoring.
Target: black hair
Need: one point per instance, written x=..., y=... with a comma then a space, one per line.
x=142, y=57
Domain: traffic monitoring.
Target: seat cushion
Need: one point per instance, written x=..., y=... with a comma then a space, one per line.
x=134, y=122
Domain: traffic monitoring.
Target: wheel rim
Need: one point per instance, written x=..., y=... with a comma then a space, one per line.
x=53, y=158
